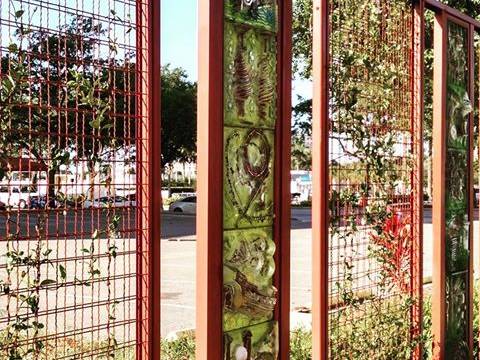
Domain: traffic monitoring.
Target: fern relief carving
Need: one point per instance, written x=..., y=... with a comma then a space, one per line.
x=242, y=82
x=266, y=89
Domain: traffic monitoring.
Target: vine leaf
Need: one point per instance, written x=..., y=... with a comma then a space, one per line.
x=19, y=13
x=63, y=272
x=47, y=282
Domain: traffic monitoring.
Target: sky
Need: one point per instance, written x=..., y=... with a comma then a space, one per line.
x=179, y=41
x=179, y=35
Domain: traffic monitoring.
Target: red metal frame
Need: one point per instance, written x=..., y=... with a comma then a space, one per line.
x=149, y=182
x=320, y=198
x=321, y=177
x=443, y=17
x=417, y=174
x=83, y=130
x=439, y=104
x=437, y=6
x=282, y=197
x=209, y=328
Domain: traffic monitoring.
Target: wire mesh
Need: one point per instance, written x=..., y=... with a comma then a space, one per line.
x=371, y=248
x=68, y=179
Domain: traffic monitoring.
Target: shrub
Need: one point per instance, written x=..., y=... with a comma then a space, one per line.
x=182, y=348
x=301, y=345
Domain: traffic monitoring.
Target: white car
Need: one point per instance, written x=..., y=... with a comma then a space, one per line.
x=106, y=201
x=187, y=205
x=15, y=197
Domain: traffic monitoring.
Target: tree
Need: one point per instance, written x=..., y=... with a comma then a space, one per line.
x=80, y=94
x=302, y=130
x=179, y=117
x=302, y=52
x=301, y=154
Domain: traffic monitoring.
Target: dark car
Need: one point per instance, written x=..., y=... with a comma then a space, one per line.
x=3, y=206
x=40, y=202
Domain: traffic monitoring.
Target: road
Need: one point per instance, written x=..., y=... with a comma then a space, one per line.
x=68, y=224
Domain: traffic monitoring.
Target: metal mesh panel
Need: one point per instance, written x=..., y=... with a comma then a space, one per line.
x=371, y=258
x=68, y=179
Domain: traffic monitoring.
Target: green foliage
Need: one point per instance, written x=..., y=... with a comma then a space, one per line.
x=300, y=345
x=302, y=27
x=379, y=329
x=178, y=116
x=180, y=349
x=301, y=154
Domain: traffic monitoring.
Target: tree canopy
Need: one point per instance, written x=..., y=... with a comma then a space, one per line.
x=302, y=52
x=179, y=112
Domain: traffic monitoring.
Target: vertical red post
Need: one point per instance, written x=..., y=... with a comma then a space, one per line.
x=471, y=203
x=209, y=332
x=438, y=211
x=417, y=175
x=282, y=176
x=148, y=180
x=320, y=221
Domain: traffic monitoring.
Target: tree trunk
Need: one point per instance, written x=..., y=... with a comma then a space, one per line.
x=92, y=174
x=51, y=183
x=169, y=170
x=429, y=172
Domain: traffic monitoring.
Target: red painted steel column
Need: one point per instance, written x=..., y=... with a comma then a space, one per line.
x=471, y=207
x=282, y=179
x=438, y=211
x=320, y=221
x=148, y=180
x=209, y=332
x=417, y=176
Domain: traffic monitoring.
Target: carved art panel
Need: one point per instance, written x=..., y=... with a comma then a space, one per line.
x=457, y=220
x=250, y=112
x=248, y=181
x=457, y=317
x=250, y=77
x=249, y=294
x=256, y=13
x=259, y=342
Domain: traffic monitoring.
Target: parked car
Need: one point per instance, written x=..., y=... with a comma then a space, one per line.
x=106, y=201
x=296, y=198
x=2, y=206
x=40, y=202
x=187, y=205
x=37, y=202
x=16, y=197
x=132, y=199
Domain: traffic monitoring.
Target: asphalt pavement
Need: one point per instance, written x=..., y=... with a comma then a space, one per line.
x=72, y=222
